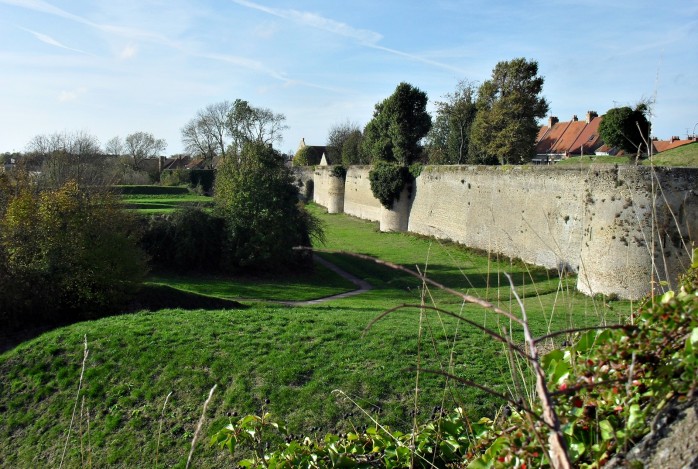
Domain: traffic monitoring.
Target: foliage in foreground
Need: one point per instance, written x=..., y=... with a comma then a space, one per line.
x=607, y=388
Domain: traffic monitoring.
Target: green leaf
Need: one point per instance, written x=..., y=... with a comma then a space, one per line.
x=607, y=431
x=577, y=448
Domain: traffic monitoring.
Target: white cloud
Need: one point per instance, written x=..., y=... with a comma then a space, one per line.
x=128, y=52
x=363, y=36
x=46, y=39
x=71, y=95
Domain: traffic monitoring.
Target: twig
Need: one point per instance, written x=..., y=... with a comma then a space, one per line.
x=489, y=332
x=559, y=459
x=584, y=329
x=465, y=297
x=473, y=384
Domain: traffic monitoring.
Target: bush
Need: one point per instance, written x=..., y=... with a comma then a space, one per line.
x=387, y=182
x=184, y=241
x=69, y=254
x=256, y=196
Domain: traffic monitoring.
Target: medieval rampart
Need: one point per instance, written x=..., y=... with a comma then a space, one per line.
x=597, y=221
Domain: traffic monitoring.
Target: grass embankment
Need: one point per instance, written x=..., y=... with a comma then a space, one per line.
x=161, y=199
x=293, y=356
x=683, y=156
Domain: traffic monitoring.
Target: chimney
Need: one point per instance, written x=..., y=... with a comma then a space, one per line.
x=674, y=138
x=591, y=115
x=552, y=120
x=574, y=118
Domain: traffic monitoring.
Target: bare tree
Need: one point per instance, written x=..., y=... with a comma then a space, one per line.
x=343, y=143
x=143, y=145
x=68, y=156
x=205, y=134
x=197, y=141
x=114, y=147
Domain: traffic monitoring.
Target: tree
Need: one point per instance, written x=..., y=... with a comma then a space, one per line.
x=399, y=124
x=67, y=156
x=205, y=135
x=508, y=105
x=448, y=140
x=256, y=195
x=70, y=253
x=352, y=151
x=198, y=141
x=114, y=147
x=246, y=123
x=140, y=146
x=342, y=142
x=627, y=129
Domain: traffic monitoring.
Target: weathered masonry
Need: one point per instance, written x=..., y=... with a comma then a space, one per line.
x=618, y=227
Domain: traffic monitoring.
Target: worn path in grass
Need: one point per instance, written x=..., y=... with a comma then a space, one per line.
x=363, y=285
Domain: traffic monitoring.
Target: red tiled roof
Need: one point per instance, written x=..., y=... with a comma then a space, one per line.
x=588, y=140
x=547, y=144
x=664, y=145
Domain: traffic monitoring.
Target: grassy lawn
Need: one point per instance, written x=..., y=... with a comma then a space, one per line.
x=164, y=203
x=320, y=283
x=686, y=155
x=296, y=357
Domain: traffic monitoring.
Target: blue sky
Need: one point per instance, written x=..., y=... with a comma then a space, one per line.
x=115, y=67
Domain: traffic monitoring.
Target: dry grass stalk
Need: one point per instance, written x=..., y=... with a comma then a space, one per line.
x=199, y=425
x=77, y=399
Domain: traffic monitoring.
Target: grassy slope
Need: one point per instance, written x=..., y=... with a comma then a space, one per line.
x=295, y=357
x=686, y=155
x=320, y=283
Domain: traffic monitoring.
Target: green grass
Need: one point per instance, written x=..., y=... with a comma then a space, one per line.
x=294, y=356
x=591, y=159
x=686, y=155
x=319, y=283
x=165, y=203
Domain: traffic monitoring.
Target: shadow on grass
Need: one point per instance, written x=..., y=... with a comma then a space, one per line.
x=150, y=297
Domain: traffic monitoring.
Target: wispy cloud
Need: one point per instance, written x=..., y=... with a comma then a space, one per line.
x=364, y=37
x=138, y=34
x=71, y=95
x=46, y=39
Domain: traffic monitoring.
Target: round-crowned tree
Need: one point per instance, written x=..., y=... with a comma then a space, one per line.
x=393, y=140
x=627, y=129
x=264, y=219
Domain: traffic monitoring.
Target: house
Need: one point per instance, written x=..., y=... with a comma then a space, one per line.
x=315, y=154
x=659, y=146
x=559, y=140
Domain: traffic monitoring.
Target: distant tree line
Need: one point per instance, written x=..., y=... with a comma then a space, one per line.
x=491, y=123
x=69, y=250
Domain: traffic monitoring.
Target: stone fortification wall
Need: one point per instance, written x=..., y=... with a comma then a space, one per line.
x=597, y=221
x=635, y=216
x=522, y=212
x=329, y=189
x=358, y=198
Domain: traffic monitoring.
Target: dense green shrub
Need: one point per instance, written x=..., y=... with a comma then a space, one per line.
x=388, y=180
x=256, y=196
x=187, y=240
x=203, y=179
x=68, y=253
